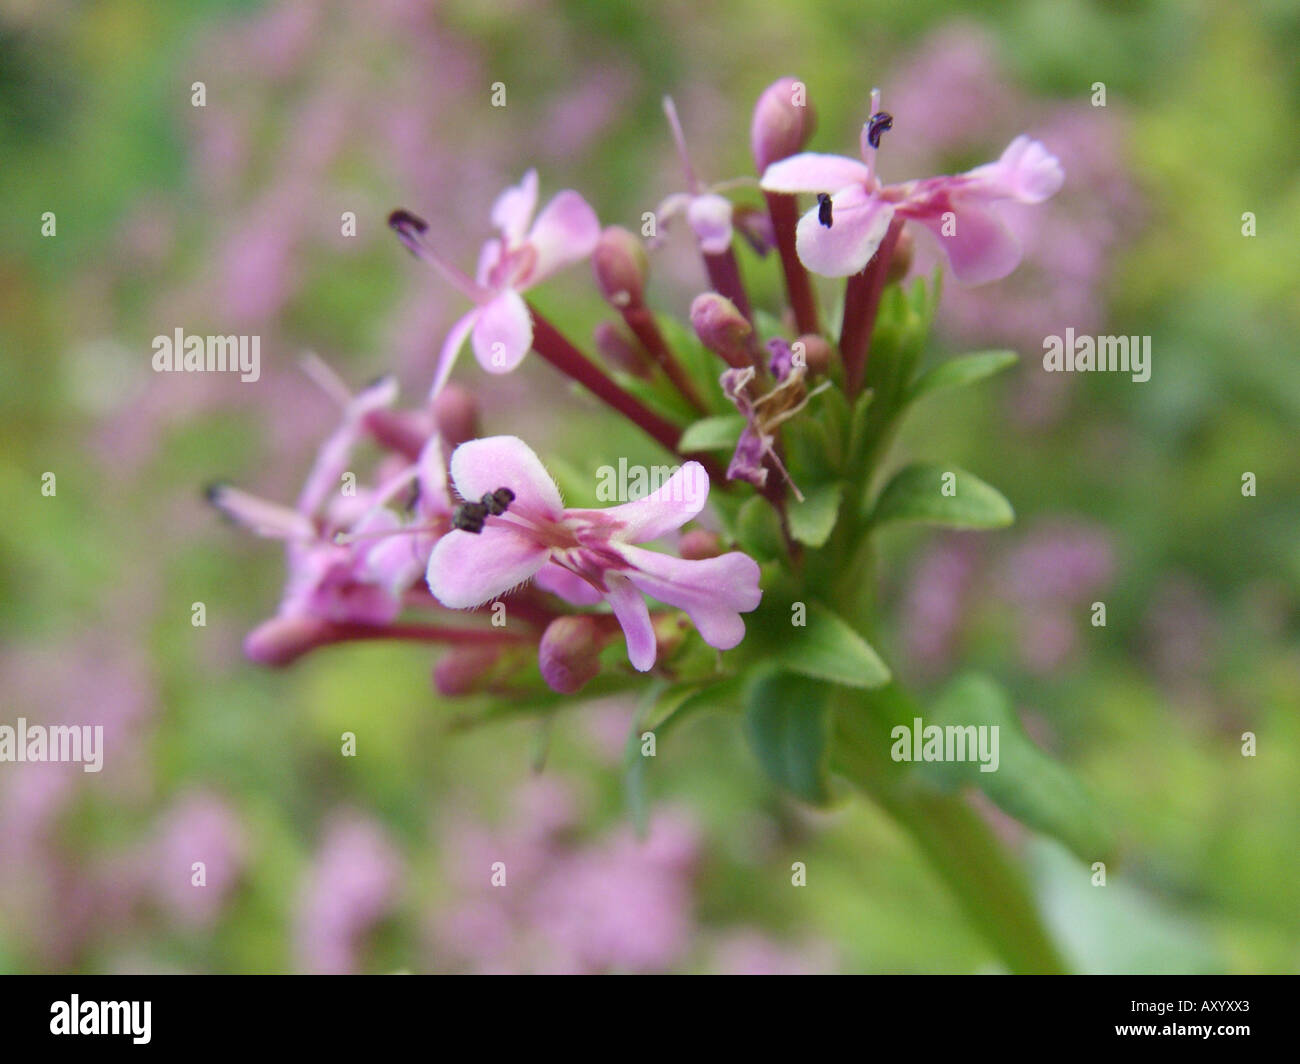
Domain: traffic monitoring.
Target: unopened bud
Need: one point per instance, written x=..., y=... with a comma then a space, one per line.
x=721, y=328
x=282, y=640
x=464, y=670
x=456, y=412
x=569, y=654
x=699, y=543
x=619, y=350
x=782, y=123
x=901, y=261
x=817, y=352
x=620, y=265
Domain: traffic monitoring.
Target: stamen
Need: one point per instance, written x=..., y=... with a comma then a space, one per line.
x=497, y=502
x=824, y=208
x=410, y=229
x=469, y=517
x=670, y=109
x=880, y=122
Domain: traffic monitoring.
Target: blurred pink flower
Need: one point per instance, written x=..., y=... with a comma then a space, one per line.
x=200, y=827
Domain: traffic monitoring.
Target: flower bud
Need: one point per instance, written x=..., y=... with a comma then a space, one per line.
x=456, y=412
x=817, y=353
x=283, y=640
x=699, y=543
x=901, y=261
x=464, y=670
x=782, y=123
x=721, y=328
x=620, y=265
x=569, y=654
x=618, y=350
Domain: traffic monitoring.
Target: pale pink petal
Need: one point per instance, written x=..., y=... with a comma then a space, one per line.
x=710, y=218
x=634, y=616
x=396, y=562
x=566, y=232
x=513, y=209
x=482, y=466
x=858, y=224
x=450, y=349
x=336, y=452
x=467, y=569
x=503, y=332
x=489, y=256
x=713, y=591
x=434, y=498
x=980, y=248
x=677, y=500
x=567, y=584
x=1027, y=172
x=813, y=172
x=259, y=516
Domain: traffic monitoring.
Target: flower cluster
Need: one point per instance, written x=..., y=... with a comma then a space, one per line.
x=455, y=522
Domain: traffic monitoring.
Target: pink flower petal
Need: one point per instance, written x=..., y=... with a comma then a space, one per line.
x=336, y=452
x=980, y=247
x=467, y=569
x=567, y=584
x=634, y=616
x=566, y=232
x=677, y=500
x=513, y=209
x=1027, y=172
x=482, y=466
x=431, y=477
x=262, y=517
x=710, y=218
x=858, y=224
x=713, y=591
x=813, y=172
x=451, y=348
x=503, y=332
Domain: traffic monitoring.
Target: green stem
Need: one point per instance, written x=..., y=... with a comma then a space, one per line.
x=957, y=841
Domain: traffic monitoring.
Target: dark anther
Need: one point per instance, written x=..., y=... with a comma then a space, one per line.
x=469, y=517
x=879, y=123
x=405, y=222
x=497, y=502
x=824, y=209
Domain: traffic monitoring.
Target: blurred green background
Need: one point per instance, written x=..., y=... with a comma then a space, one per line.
x=225, y=218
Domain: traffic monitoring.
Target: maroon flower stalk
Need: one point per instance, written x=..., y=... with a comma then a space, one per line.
x=861, y=302
x=784, y=211
x=724, y=276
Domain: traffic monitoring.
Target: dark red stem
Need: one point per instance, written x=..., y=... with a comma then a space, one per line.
x=785, y=216
x=861, y=302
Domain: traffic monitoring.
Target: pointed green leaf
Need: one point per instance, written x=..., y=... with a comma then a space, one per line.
x=712, y=434
x=812, y=520
x=827, y=648
x=959, y=372
x=1027, y=784
x=942, y=496
x=758, y=529
x=788, y=721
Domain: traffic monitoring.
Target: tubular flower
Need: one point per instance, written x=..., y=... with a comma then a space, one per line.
x=838, y=236
x=588, y=555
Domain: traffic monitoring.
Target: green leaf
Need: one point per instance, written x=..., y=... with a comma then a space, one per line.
x=1027, y=784
x=712, y=434
x=812, y=521
x=787, y=719
x=827, y=648
x=758, y=529
x=917, y=493
x=959, y=372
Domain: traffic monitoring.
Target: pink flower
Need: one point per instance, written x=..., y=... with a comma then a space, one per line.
x=500, y=328
x=587, y=555
x=349, y=557
x=838, y=238
x=708, y=214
